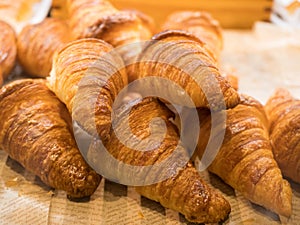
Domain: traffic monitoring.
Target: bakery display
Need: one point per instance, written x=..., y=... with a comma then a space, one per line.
x=8, y=49
x=85, y=55
x=245, y=160
x=37, y=44
x=283, y=112
x=36, y=131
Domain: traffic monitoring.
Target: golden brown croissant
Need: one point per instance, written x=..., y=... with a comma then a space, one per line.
x=245, y=160
x=85, y=63
x=8, y=49
x=205, y=27
x=36, y=131
x=177, y=187
x=99, y=19
x=181, y=58
x=199, y=23
x=37, y=44
x=283, y=111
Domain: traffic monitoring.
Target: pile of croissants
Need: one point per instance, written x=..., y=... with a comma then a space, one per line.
x=261, y=142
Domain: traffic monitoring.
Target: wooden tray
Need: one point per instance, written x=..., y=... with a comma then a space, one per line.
x=230, y=13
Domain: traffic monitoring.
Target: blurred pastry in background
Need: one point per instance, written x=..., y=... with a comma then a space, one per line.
x=8, y=49
x=199, y=23
x=19, y=13
x=37, y=44
x=283, y=111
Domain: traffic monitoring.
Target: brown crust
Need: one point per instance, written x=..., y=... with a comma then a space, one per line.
x=199, y=23
x=185, y=50
x=8, y=48
x=184, y=190
x=245, y=160
x=36, y=131
x=73, y=63
x=283, y=111
x=37, y=44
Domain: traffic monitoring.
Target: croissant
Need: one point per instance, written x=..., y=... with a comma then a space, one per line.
x=245, y=160
x=199, y=23
x=82, y=71
x=37, y=44
x=176, y=184
x=181, y=58
x=283, y=112
x=100, y=19
x=36, y=131
x=8, y=49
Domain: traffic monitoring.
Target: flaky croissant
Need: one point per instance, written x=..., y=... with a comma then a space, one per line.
x=206, y=28
x=199, y=23
x=181, y=58
x=8, y=49
x=176, y=187
x=86, y=64
x=283, y=111
x=38, y=42
x=36, y=131
x=100, y=19
x=245, y=160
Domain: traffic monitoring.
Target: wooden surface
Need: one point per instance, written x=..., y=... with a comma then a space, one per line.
x=230, y=13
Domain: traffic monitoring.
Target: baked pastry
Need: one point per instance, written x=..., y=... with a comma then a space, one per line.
x=283, y=112
x=100, y=19
x=36, y=131
x=245, y=160
x=199, y=23
x=205, y=27
x=181, y=58
x=37, y=44
x=85, y=70
x=176, y=184
x=8, y=49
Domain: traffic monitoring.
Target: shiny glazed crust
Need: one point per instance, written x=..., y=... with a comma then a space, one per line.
x=184, y=190
x=182, y=58
x=245, y=160
x=85, y=63
x=36, y=131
